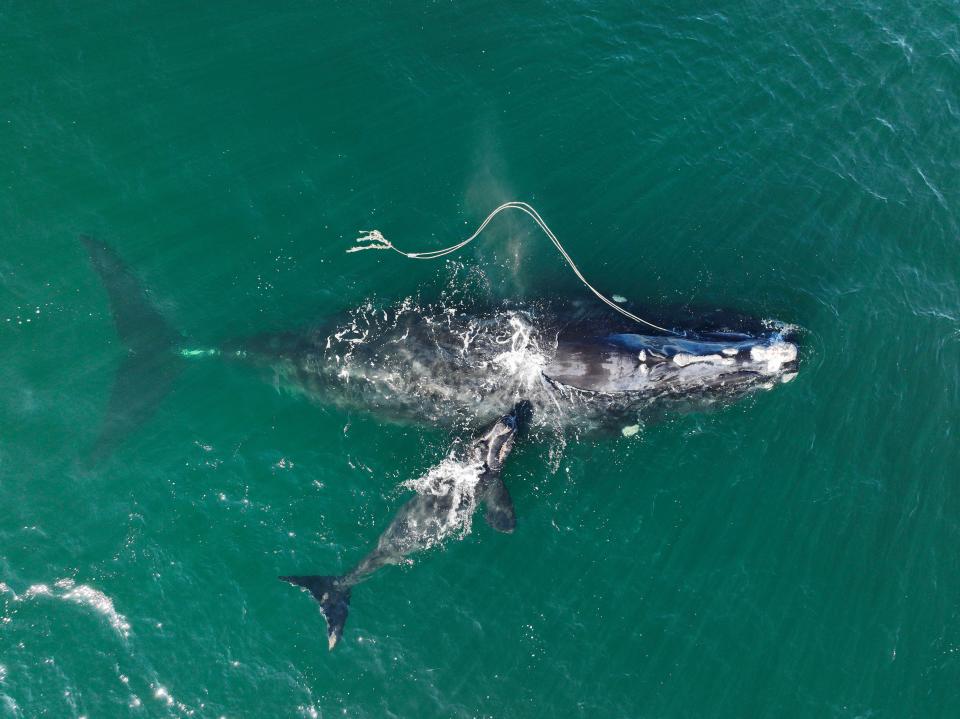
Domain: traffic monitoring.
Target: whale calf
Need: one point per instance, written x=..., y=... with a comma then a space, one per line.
x=438, y=510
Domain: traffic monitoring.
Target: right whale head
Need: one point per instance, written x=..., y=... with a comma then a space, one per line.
x=628, y=363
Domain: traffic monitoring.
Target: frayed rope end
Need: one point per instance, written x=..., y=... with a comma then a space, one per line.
x=375, y=240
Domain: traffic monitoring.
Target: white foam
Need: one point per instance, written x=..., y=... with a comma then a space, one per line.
x=456, y=480
x=524, y=361
x=96, y=600
x=163, y=695
x=82, y=594
x=37, y=590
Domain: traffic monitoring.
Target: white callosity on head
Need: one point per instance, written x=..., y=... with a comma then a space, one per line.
x=683, y=359
x=774, y=356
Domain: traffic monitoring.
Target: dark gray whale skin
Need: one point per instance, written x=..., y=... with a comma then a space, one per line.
x=422, y=522
x=447, y=365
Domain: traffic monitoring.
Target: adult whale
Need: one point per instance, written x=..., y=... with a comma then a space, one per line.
x=445, y=504
x=583, y=370
x=455, y=365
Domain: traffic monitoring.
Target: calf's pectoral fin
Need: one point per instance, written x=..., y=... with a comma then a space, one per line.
x=500, y=514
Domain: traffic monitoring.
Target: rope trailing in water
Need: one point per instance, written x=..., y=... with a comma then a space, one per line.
x=374, y=240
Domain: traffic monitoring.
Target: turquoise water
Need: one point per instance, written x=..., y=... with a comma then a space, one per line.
x=794, y=555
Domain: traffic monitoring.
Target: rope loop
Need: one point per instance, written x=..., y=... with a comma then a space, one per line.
x=375, y=240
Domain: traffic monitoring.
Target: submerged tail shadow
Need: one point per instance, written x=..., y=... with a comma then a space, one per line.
x=148, y=372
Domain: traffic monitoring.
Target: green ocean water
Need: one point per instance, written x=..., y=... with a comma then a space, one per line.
x=794, y=555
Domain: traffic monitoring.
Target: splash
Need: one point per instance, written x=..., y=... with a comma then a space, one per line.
x=441, y=361
x=163, y=695
x=524, y=360
x=455, y=483
x=96, y=600
x=81, y=594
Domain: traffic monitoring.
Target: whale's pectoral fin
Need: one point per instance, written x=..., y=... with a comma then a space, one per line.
x=500, y=514
x=334, y=601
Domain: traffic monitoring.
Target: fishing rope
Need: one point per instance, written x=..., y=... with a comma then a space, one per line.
x=375, y=240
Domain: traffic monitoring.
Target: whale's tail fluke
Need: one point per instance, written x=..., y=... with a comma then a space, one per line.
x=147, y=373
x=334, y=600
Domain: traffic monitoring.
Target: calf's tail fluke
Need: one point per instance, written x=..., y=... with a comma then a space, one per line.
x=147, y=372
x=334, y=599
